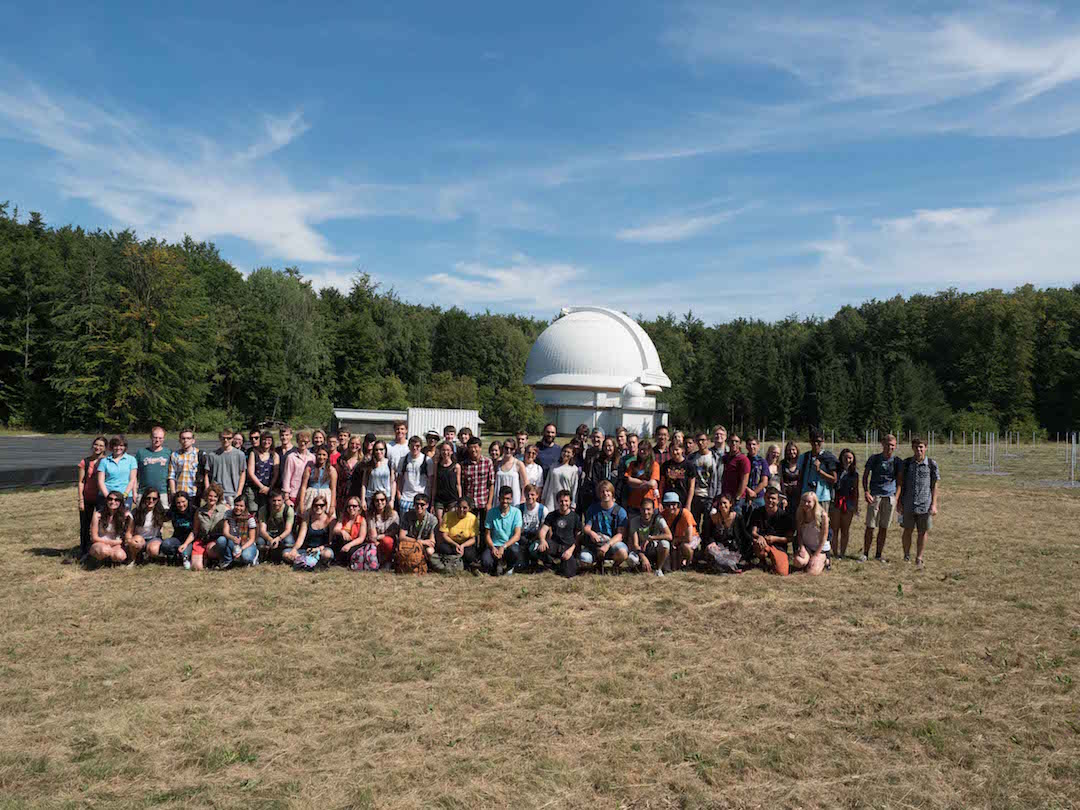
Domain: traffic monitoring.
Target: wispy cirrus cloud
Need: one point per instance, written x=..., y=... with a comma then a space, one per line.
x=522, y=280
x=674, y=229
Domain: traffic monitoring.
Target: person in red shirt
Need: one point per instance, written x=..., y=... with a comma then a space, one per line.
x=86, y=489
x=736, y=470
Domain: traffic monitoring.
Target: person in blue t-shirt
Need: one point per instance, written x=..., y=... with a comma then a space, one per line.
x=602, y=538
x=879, y=485
x=502, y=532
x=817, y=470
x=118, y=472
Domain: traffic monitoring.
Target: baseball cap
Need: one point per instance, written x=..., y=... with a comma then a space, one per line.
x=434, y=433
x=671, y=497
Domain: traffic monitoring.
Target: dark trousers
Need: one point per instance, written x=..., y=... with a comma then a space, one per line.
x=511, y=558
x=85, y=516
x=552, y=558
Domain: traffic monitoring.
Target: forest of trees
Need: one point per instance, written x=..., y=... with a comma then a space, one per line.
x=100, y=330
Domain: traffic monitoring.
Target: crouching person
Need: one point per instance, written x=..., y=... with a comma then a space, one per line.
x=503, y=531
x=416, y=538
x=208, y=527
x=313, y=544
x=770, y=532
x=725, y=543
x=602, y=537
x=455, y=546
x=240, y=529
x=559, y=537
x=648, y=539
x=532, y=519
x=684, y=535
x=275, y=527
x=109, y=529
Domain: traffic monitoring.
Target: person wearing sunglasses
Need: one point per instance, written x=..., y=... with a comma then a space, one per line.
x=818, y=470
x=509, y=472
x=118, y=472
x=379, y=476
x=313, y=540
x=350, y=541
x=108, y=529
x=144, y=530
x=383, y=527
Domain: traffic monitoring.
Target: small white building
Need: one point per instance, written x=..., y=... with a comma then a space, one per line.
x=420, y=420
x=597, y=366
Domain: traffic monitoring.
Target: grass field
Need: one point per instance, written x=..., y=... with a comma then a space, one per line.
x=872, y=686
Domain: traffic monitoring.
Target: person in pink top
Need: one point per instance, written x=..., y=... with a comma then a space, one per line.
x=294, y=465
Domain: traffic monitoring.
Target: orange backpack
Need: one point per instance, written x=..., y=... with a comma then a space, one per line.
x=409, y=557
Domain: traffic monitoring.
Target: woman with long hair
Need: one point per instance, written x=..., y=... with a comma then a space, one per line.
x=567, y=475
x=181, y=515
x=108, y=529
x=240, y=529
x=789, y=478
x=86, y=492
x=383, y=526
x=447, y=485
x=772, y=462
x=263, y=472
x=602, y=465
x=494, y=453
x=208, y=522
x=144, y=531
x=642, y=478
x=320, y=478
x=509, y=472
x=367, y=447
x=811, y=536
x=380, y=475
x=349, y=538
x=534, y=473
x=725, y=542
x=845, y=502
x=313, y=542
x=348, y=463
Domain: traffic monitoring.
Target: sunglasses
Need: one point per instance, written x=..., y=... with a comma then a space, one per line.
x=318, y=505
x=354, y=506
x=152, y=499
x=112, y=500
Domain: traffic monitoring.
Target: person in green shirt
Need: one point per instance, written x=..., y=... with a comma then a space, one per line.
x=153, y=464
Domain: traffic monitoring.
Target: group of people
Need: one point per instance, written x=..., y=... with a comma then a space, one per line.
x=603, y=503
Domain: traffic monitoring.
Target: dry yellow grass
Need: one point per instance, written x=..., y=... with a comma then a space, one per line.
x=872, y=686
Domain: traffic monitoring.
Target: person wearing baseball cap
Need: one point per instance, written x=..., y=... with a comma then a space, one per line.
x=684, y=532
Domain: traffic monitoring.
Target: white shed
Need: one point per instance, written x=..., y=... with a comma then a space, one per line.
x=420, y=420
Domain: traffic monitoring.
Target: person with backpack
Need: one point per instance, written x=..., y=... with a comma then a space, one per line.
x=414, y=475
x=880, y=480
x=817, y=470
x=917, y=498
x=416, y=538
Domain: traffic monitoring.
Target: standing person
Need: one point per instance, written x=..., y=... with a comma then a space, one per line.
x=86, y=492
x=108, y=529
x=343, y=438
x=276, y=522
x=626, y=457
x=567, y=475
x=144, y=530
x=380, y=476
x=319, y=480
x=602, y=533
x=559, y=538
x=772, y=463
x=478, y=480
x=771, y=529
x=119, y=471
x=181, y=515
x=285, y=444
x=255, y=439
x=621, y=446
x=367, y=449
x=704, y=464
x=594, y=447
x=494, y=452
x=684, y=531
x=455, y=545
x=719, y=454
x=416, y=538
x=548, y=452
x=449, y=435
x=879, y=481
x=532, y=518
x=817, y=470
x=431, y=446
x=736, y=470
x=352, y=545
x=917, y=498
x=602, y=465
x=534, y=473
x=333, y=444
x=811, y=535
x=184, y=468
x=642, y=479
x=464, y=437
x=580, y=440
x=262, y=472
x=789, y=478
x=447, y=489
x=759, y=478
x=383, y=526
x=294, y=464
x=649, y=539
x=312, y=547
x=226, y=466
x=509, y=472
x=350, y=470
x=399, y=448
x=845, y=503
x=153, y=464
x=678, y=475
x=521, y=439
x=662, y=448
x=318, y=439
x=240, y=529
x=415, y=474
x=502, y=531
x=725, y=542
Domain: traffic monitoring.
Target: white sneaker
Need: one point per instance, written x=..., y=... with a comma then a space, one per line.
x=187, y=565
x=861, y=558
x=659, y=572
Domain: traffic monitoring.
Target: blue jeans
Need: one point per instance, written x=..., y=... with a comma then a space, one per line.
x=287, y=542
x=247, y=556
x=171, y=547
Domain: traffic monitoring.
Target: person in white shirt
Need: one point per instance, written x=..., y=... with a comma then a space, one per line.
x=414, y=475
x=399, y=447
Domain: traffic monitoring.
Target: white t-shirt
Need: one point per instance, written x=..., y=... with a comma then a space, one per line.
x=414, y=475
x=396, y=452
x=534, y=474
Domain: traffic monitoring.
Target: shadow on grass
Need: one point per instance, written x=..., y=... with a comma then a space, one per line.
x=40, y=551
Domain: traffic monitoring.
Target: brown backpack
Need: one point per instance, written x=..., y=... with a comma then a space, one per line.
x=409, y=557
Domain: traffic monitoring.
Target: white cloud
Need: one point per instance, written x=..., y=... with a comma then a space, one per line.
x=939, y=218
x=522, y=280
x=674, y=230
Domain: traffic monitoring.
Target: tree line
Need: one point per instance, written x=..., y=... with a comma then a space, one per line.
x=102, y=330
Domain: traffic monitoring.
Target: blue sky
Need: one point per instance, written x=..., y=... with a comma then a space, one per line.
x=737, y=159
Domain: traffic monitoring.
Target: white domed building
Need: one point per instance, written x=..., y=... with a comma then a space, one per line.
x=597, y=366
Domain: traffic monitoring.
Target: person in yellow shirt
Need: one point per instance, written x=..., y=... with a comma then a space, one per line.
x=455, y=544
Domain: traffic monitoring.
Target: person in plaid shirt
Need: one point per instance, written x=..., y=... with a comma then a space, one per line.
x=184, y=467
x=478, y=479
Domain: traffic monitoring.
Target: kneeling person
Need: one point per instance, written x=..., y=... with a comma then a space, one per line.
x=559, y=537
x=602, y=538
x=503, y=530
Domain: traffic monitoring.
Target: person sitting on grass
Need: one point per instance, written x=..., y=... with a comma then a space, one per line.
x=181, y=515
x=684, y=533
x=240, y=529
x=502, y=532
x=313, y=540
x=208, y=522
x=917, y=498
x=109, y=528
x=352, y=546
x=455, y=546
x=771, y=529
x=602, y=537
x=275, y=526
x=811, y=535
x=649, y=539
x=416, y=538
x=725, y=543
x=144, y=531
x=559, y=538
